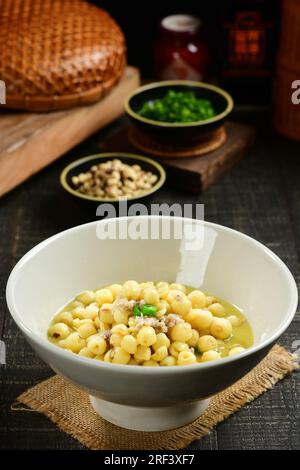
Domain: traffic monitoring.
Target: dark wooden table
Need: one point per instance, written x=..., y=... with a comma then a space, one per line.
x=260, y=197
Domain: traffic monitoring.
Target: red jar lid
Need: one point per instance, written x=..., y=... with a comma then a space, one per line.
x=181, y=23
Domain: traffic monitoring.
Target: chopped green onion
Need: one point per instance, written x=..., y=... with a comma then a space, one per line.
x=136, y=311
x=178, y=106
x=149, y=310
x=146, y=310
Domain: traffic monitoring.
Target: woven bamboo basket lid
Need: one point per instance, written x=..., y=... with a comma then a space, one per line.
x=57, y=54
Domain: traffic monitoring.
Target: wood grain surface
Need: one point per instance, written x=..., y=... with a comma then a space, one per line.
x=260, y=197
x=193, y=174
x=30, y=141
x=148, y=145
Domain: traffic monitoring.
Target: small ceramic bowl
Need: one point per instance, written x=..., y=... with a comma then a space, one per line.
x=85, y=163
x=178, y=133
x=224, y=262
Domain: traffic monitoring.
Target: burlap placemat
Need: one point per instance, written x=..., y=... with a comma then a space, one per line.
x=70, y=409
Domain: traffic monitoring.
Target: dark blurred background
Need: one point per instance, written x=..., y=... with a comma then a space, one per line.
x=223, y=22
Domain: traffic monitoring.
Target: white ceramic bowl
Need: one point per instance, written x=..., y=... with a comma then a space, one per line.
x=228, y=264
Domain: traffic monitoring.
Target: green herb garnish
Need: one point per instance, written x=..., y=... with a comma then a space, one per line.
x=149, y=310
x=145, y=310
x=178, y=106
x=136, y=311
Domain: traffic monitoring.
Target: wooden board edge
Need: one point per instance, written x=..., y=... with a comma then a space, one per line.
x=241, y=148
x=46, y=143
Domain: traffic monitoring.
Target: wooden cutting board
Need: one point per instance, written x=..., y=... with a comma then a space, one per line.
x=194, y=174
x=30, y=141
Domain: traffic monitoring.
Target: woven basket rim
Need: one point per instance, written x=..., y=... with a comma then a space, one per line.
x=53, y=102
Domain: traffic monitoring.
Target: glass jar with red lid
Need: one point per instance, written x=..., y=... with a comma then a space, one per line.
x=180, y=51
